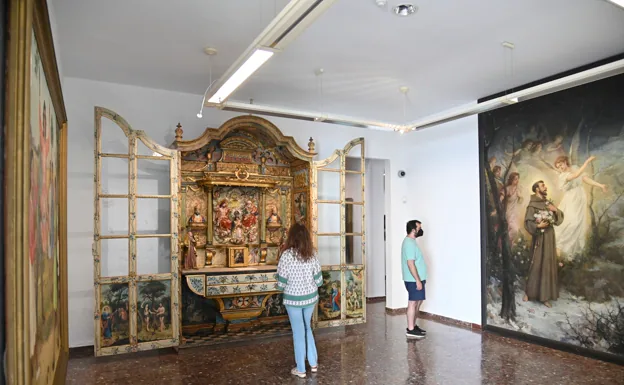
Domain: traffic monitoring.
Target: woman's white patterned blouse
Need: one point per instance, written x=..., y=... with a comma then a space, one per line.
x=299, y=279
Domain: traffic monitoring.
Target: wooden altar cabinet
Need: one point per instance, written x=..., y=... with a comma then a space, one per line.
x=226, y=199
x=242, y=186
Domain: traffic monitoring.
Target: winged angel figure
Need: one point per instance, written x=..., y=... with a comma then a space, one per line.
x=571, y=234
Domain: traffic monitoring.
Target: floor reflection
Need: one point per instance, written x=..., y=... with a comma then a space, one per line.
x=374, y=353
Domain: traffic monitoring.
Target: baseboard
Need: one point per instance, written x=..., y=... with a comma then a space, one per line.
x=81, y=352
x=437, y=318
x=398, y=311
x=376, y=299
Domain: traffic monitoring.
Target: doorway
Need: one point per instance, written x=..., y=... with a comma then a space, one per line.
x=375, y=226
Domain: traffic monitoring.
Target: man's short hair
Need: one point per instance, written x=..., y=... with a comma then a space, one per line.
x=536, y=185
x=411, y=225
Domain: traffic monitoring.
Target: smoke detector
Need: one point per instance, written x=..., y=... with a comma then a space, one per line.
x=405, y=9
x=381, y=3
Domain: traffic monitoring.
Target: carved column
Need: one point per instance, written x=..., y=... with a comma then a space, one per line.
x=182, y=226
x=263, y=216
x=263, y=245
x=209, y=220
x=283, y=210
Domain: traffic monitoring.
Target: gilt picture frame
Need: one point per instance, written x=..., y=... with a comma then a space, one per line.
x=35, y=224
x=238, y=256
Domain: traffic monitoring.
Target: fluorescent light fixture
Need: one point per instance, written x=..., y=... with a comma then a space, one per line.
x=619, y=3
x=255, y=61
x=574, y=80
x=293, y=19
x=472, y=108
x=310, y=116
x=506, y=100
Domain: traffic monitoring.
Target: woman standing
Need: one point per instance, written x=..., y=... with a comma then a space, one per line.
x=299, y=276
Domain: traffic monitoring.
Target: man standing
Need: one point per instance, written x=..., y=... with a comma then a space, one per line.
x=414, y=275
x=541, y=215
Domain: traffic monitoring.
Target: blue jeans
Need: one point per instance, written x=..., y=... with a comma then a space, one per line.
x=300, y=318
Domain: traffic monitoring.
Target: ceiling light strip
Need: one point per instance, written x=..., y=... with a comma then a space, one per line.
x=308, y=116
x=619, y=3
x=251, y=65
x=294, y=18
x=594, y=74
x=580, y=78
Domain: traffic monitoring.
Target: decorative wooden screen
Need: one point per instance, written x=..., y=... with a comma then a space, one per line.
x=338, y=187
x=135, y=249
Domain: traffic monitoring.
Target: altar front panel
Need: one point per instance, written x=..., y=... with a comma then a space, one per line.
x=220, y=305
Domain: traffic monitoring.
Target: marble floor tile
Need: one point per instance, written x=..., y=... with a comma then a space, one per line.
x=374, y=353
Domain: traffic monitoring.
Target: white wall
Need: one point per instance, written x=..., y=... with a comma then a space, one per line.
x=375, y=245
x=444, y=195
x=55, y=39
x=157, y=112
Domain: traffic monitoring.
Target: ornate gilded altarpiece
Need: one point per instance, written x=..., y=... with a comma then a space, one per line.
x=234, y=192
x=242, y=186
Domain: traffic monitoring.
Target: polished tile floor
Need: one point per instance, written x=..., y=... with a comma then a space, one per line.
x=374, y=353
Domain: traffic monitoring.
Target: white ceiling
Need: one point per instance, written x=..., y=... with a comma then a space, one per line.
x=449, y=53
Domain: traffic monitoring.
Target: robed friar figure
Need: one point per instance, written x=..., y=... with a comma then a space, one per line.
x=541, y=215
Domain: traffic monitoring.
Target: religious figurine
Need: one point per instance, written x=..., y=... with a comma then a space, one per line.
x=300, y=209
x=237, y=229
x=223, y=221
x=250, y=217
x=196, y=218
x=274, y=224
x=273, y=221
x=190, y=259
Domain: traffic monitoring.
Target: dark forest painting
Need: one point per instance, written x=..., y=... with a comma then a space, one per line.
x=553, y=177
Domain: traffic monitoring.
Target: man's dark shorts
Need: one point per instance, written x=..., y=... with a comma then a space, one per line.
x=414, y=293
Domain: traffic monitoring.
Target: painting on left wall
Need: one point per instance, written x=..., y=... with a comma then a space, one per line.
x=35, y=216
x=43, y=234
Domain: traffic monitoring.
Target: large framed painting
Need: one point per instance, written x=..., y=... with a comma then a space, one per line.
x=552, y=183
x=35, y=216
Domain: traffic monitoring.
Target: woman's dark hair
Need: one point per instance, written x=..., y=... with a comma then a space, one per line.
x=300, y=240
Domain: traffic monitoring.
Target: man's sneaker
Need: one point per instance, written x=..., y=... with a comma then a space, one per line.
x=417, y=328
x=414, y=334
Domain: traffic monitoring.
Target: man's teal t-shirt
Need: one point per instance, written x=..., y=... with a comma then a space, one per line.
x=410, y=250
